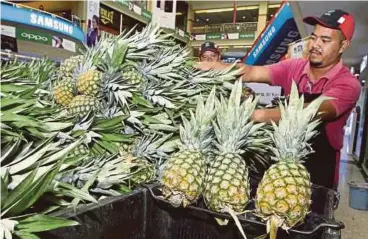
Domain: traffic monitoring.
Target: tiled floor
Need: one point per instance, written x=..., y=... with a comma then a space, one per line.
x=356, y=222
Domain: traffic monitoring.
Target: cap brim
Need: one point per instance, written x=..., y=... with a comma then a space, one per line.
x=316, y=20
x=210, y=49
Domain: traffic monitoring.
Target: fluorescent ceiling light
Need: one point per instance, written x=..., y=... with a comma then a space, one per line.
x=274, y=5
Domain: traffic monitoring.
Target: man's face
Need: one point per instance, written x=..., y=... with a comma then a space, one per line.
x=325, y=46
x=210, y=56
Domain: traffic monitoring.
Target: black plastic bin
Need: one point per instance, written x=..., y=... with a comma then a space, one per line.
x=141, y=214
x=114, y=217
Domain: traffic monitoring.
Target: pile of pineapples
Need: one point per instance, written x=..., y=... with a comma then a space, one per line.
x=133, y=110
x=283, y=196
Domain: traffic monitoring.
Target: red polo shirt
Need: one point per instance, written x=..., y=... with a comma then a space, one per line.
x=338, y=83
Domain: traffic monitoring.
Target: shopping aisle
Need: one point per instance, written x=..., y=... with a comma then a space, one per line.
x=356, y=222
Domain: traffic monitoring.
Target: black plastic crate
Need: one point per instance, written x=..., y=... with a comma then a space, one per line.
x=198, y=222
x=122, y=217
x=141, y=214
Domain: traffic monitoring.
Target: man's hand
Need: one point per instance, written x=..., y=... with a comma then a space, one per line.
x=210, y=65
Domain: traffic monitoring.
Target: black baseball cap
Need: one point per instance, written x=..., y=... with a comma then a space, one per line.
x=208, y=46
x=335, y=19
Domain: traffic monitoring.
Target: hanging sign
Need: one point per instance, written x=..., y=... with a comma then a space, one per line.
x=272, y=45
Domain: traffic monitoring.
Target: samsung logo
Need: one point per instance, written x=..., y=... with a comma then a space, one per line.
x=264, y=41
x=51, y=23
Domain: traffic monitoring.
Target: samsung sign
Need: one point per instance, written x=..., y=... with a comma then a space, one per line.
x=272, y=45
x=51, y=22
x=39, y=19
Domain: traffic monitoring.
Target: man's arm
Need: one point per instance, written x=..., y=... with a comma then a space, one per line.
x=258, y=74
x=327, y=113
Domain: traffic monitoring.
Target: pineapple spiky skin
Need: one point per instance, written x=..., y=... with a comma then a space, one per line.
x=89, y=82
x=285, y=190
x=64, y=91
x=68, y=67
x=227, y=183
x=82, y=104
x=183, y=177
x=133, y=76
x=145, y=173
x=81, y=150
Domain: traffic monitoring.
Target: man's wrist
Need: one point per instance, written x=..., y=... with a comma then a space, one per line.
x=257, y=116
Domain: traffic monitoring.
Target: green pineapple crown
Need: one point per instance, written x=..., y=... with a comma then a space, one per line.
x=233, y=128
x=296, y=127
x=196, y=134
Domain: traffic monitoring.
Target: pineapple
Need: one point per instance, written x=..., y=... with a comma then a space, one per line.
x=183, y=174
x=89, y=82
x=226, y=184
x=64, y=91
x=133, y=76
x=83, y=104
x=284, y=194
x=81, y=150
x=69, y=66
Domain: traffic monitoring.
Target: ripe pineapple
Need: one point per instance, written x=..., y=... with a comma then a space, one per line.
x=226, y=186
x=183, y=174
x=68, y=67
x=64, y=91
x=89, y=82
x=82, y=104
x=283, y=195
x=133, y=76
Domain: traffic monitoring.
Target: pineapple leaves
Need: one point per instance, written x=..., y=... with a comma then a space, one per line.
x=296, y=127
x=4, y=190
x=17, y=192
x=30, y=195
x=71, y=191
x=41, y=223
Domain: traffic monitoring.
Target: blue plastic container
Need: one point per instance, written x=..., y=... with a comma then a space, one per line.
x=358, y=195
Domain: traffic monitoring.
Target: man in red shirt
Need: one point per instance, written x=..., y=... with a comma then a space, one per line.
x=321, y=74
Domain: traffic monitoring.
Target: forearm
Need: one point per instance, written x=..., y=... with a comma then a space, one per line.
x=326, y=113
x=266, y=115
x=257, y=74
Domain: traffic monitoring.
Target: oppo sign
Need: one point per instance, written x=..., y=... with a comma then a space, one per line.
x=31, y=36
x=34, y=36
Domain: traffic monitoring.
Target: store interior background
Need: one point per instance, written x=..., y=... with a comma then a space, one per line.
x=196, y=21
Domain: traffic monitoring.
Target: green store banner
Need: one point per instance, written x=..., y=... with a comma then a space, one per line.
x=213, y=36
x=33, y=36
x=250, y=36
x=135, y=8
x=247, y=35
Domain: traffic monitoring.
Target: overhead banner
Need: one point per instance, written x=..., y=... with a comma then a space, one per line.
x=12, y=13
x=33, y=36
x=273, y=43
x=62, y=43
x=138, y=9
x=109, y=20
x=226, y=36
x=164, y=13
x=8, y=38
x=93, y=14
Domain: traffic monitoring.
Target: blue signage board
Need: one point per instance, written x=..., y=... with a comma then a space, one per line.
x=272, y=45
x=13, y=13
